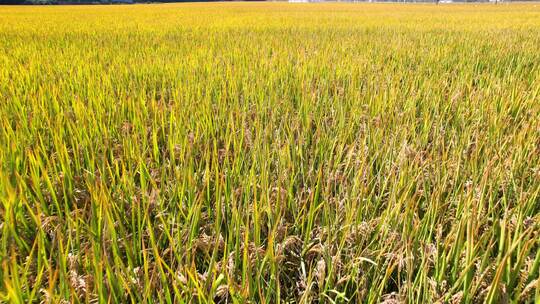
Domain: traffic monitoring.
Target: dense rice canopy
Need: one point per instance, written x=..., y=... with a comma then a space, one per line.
x=267, y=152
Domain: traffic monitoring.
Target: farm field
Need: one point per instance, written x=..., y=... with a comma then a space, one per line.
x=270, y=153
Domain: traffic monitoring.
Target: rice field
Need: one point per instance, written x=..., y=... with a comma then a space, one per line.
x=270, y=153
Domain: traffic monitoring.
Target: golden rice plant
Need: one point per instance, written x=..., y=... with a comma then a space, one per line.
x=270, y=152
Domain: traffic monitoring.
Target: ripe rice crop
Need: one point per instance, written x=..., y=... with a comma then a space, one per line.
x=270, y=152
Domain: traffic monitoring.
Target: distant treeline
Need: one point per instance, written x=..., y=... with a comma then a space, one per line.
x=74, y=2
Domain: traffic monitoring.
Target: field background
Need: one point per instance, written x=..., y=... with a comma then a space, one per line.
x=270, y=152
